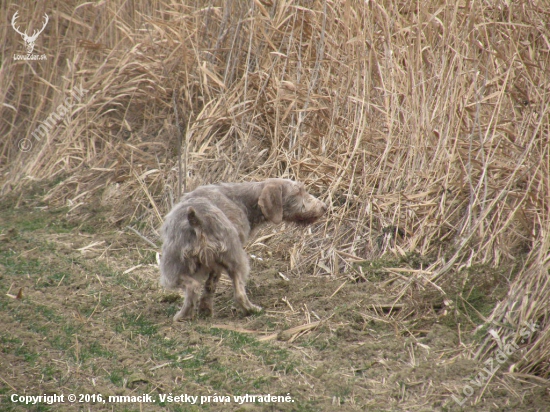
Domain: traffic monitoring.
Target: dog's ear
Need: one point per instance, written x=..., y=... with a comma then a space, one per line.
x=271, y=202
x=194, y=220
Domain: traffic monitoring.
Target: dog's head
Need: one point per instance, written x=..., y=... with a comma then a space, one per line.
x=283, y=199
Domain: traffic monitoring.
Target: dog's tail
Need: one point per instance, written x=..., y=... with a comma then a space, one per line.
x=194, y=236
x=180, y=246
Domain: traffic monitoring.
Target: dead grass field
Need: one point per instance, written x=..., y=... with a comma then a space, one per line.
x=424, y=125
x=93, y=320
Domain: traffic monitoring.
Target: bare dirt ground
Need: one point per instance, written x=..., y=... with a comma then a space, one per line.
x=82, y=313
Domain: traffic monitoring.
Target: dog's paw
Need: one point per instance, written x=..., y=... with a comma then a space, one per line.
x=254, y=309
x=205, y=311
x=180, y=317
x=206, y=307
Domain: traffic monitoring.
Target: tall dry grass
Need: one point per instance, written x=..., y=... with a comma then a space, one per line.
x=424, y=124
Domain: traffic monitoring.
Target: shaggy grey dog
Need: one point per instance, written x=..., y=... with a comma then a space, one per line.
x=204, y=234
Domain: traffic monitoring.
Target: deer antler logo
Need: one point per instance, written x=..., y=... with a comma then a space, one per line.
x=29, y=40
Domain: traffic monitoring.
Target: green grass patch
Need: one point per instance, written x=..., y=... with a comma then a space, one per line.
x=116, y=376
x=15, y=265
x=235, y=340
x=136, y=323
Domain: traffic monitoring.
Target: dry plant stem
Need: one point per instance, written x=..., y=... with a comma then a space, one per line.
x=179, y=143
x=141, y=236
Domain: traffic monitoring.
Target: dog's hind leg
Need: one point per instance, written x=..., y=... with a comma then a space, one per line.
x=206, y=306
x=238, y=272
x=187, y=311
x=241, y=298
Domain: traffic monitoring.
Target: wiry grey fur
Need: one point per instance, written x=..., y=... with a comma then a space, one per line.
x=204, y=235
